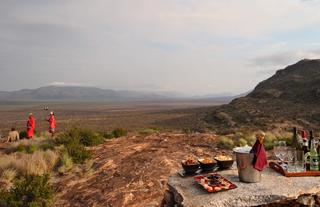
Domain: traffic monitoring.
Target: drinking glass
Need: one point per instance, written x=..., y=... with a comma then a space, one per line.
x=300, y=163
x=289, y=158
x=280, y=150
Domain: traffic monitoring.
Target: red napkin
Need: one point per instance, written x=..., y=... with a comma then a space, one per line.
x=260, y=157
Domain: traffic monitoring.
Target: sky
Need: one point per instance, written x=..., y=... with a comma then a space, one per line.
x=195, y=47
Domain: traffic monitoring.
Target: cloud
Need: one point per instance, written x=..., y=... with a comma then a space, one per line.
x=59, y=83
x=284, y=58
x=184, y=45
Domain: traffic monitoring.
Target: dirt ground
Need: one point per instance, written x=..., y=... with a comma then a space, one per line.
x=133, y=170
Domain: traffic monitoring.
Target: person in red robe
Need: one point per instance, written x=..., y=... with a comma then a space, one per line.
x=31, y=125
x=52, y=123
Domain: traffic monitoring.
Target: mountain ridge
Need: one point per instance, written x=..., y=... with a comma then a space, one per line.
x=84, y=93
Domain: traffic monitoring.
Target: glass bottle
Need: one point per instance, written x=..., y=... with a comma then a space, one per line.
x=313, y=154
x=296, y=142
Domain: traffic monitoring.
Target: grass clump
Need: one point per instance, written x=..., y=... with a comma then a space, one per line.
x=6, y=178
x=65, y=163
x=29, y=191
x=226, y=143
x=119, y=132
x=30, y=149
x=148, y=131
x=38, y=163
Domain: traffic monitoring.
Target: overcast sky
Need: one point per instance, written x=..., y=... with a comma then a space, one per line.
x=191, y=46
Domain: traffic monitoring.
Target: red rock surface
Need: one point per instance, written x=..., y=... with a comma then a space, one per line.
x=133, y=171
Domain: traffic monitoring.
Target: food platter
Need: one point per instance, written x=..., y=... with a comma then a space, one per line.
x=214, y=182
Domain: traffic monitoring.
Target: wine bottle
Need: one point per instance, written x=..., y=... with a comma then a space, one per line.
x=295, y=140
x=310, y=138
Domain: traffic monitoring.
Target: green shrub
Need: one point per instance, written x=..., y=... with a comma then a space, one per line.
x=47, y=146
x=65, y=163
x=31, y=148
x=226, y=143
x=77, y=151
x=107, y=135
x=242, y=142
x=84, y=136
x=23, y=134
x=119, y=132
x=21, y=148
x=148, y=131
x=30, y=191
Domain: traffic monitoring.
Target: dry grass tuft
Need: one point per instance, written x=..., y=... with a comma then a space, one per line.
x=38, y=163
x=7, y=177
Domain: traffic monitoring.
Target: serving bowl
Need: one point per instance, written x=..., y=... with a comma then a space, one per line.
x=190, y=168
x=224, y=164
x=206, y=166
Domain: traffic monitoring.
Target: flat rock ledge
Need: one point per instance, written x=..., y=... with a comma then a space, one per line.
x=273, y=190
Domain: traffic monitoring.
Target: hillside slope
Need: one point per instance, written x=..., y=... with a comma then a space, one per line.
x=290, y=97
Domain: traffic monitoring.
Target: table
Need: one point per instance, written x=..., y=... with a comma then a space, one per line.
x=272, y=188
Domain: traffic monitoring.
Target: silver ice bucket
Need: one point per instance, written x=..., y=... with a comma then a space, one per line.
x=247, y=173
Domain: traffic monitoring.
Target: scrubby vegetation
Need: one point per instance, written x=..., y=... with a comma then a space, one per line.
x=226, y=143
x=25, y=169
x=148, y=131
x=28, y=191
x=119, y=132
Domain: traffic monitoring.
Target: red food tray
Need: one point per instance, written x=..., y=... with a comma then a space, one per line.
x=214, y=182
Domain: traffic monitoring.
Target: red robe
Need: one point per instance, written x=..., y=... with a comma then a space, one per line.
x=31, y=125
x=52, y=122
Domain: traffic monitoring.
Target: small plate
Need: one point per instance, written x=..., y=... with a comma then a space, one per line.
x=214, y=182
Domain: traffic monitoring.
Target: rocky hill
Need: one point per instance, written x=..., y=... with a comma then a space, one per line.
x=290, y=97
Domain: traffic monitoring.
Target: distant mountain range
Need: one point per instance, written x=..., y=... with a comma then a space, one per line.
x=80, y=93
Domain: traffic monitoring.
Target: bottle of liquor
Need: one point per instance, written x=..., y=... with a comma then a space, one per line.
x=305, y=148
x=305, y=145
x=310, y=138
x=296, y=140
x=314, y=158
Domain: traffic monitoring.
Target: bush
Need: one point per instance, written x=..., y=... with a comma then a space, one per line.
x=119, y=132
x=47, y=146
x=20, y=148
x=242, y=142
x=23, y=134
x=31, y=148
x=77, y=151
x=27, y=148
x=107, y=135
x=31, y=191
x=65, y=163
x=148, y=131
x=83, y=136
x=226, y=143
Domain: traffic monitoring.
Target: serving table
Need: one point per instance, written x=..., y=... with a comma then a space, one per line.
x=273, y=188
